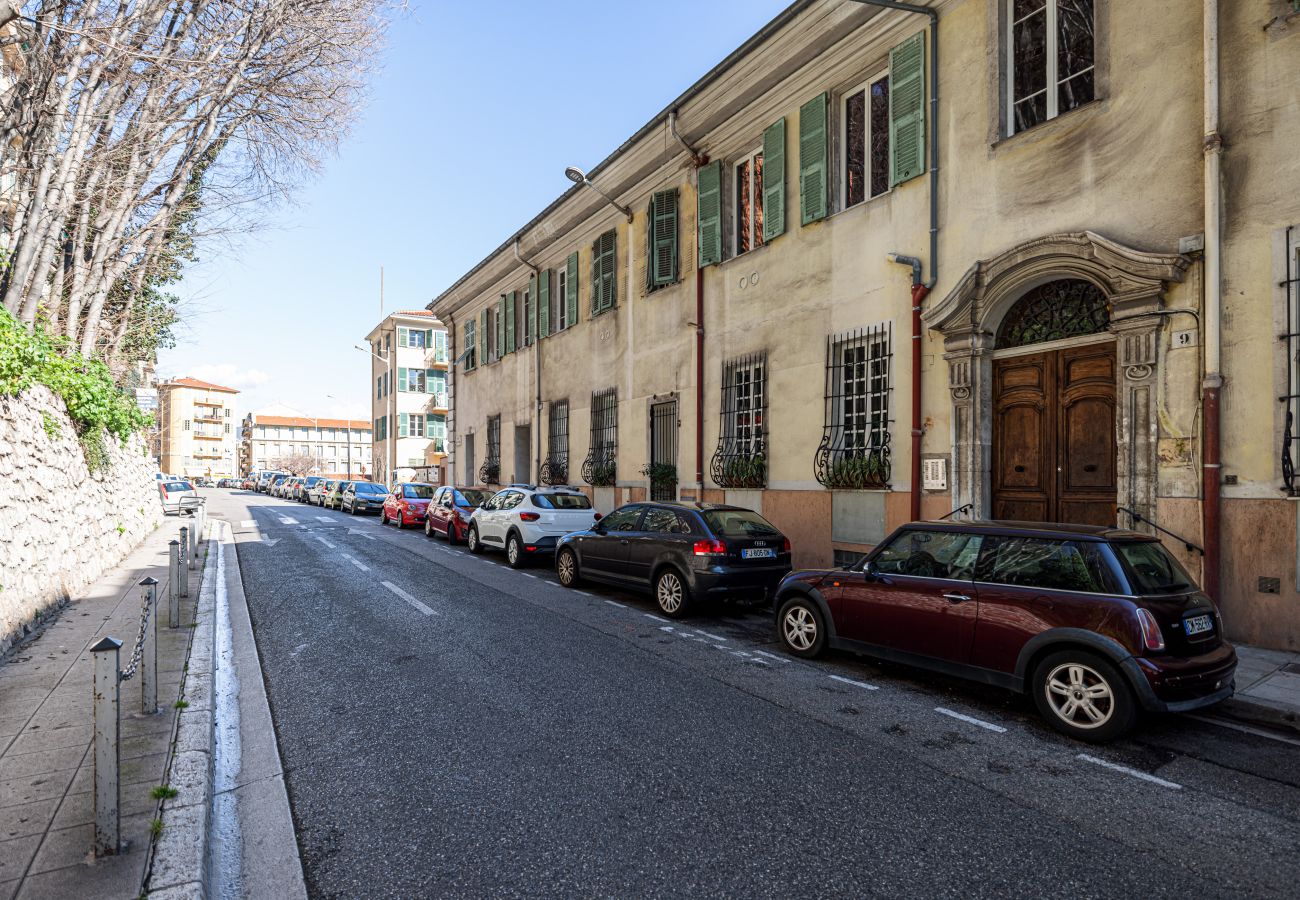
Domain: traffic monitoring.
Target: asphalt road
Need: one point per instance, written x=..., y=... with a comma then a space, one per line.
x=450, y=726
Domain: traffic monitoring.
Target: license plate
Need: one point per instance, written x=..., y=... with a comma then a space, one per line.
x=757, y=553
x=1198, y=624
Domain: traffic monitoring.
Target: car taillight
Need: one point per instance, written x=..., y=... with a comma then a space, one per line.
x=596, y=517
x=710, y=548
x=1151, y=636
x=529, y=517
x=785, y=545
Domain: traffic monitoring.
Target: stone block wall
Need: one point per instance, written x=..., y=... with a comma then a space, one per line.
x=61, y=527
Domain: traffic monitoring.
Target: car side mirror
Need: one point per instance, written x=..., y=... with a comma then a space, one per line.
x=868, y=568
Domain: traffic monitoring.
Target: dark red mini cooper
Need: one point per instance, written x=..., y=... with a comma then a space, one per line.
x=1095, y=624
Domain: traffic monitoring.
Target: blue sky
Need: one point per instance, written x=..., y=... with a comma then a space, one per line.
x=473, y=116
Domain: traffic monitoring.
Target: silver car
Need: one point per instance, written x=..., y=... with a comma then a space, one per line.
x=174, y=495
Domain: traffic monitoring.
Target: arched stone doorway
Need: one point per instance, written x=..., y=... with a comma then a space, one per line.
x=1009, y=308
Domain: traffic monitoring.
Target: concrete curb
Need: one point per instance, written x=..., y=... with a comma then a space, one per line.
x=179, y=867
x=1244, y=709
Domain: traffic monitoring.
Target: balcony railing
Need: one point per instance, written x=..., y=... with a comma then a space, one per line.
x=438, y=400
x=733, y=467
x=857, y=468
x=556, y=469
x=490, y=472
x=600, y=468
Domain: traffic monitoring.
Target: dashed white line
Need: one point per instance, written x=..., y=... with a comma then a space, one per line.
x=1136, y=773
x=287, y=520
x=360, y=565
x=971, y=719
x=324, y=518
x=526, y=575
x=780, y=659
x=325, y=542
x=712, y=637
x=653, y=616
x=610, y=602
x=861, y=684
x=408, y=598
x=248, y=523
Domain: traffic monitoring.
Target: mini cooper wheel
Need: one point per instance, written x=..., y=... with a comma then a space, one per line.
x=472, y=543
x=671, y=594
x=801, y=627
x=1084, y=696
x=566, y=567
x=515, y=552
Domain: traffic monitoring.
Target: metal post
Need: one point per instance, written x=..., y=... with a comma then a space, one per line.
x=174, y=585
x=185, y=555
x=107, y=792
x=149, y=653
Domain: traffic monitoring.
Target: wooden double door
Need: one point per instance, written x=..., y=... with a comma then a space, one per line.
x=1054, y=454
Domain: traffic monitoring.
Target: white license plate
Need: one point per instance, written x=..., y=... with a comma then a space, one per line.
x=757, y=553
x=1198, y=624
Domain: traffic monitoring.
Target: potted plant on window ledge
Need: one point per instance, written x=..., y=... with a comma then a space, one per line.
x=661, y=475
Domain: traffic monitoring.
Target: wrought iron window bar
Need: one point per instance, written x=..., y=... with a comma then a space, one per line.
x=555, y=470
x=490, y=471
x=662, y=470
x=740, y=460
x=1291, y=399
x=854, y=449
x=599, y=469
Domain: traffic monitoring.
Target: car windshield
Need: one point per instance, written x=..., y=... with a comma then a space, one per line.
x=177, y=486
x=369, y=487
x=1151, y=569
x=470, y=498
x=417, y=492
x=561, y=501
x=738, y=523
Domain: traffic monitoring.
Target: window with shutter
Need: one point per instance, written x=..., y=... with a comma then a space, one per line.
x=812, y=160
x=403, y=425
x=603, y=284
x=661, y=243
x=530, y=312
x=511, y=300
x=865, y=141
x=499, y=332
x=774, y=180
x=571, y=290
x=907, y=109
x=709, y=213
x=401, y=337
x=401, y=378
x=544, y=304
x=484, y=336
x=471, y=362
x=749, y=202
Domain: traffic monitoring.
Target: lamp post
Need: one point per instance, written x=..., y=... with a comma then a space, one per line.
x=390, y=438
x=577, y=176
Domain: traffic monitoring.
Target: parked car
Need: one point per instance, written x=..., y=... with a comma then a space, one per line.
x=316, y=492
x=407, y=504
x=275, y=486
x=302, y=490
x=450, y=510
x=174, y=494
x=686, y=552
x=266, y=479
x=527, y=521
x=334, y=494
x=362, y=496
x=1095, y=624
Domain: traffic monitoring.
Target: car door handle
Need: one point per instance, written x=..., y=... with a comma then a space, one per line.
x=956, y=598
x=624, y=541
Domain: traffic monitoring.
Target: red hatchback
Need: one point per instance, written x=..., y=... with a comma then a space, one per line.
x=1096, y=624
x=450, y=509
x=406, y=504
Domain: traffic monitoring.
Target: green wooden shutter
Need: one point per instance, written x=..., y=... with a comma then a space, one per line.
x=402, y=340
x=662, y=228
x=774, y=180
x=531, y=327
x=544, y=304
x=650, y=244
x=483, y=337
x=907, y=109
x=709, y=213
x=510, y=321
x=428, y=339
x=401, y=378
x=500, y=348
x=429, y=381
x=403, y=425
x=812, y=160
x=571, y=289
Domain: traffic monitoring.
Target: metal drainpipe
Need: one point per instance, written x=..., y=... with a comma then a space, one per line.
x=537, y=368
x=698, y=160
x=919, y=291
x=1213, y=150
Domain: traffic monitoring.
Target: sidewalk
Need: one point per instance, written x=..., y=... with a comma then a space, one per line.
x=46, y=767
x=1268, y=688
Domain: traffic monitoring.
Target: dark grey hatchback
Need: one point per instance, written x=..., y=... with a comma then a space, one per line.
x=684, y=551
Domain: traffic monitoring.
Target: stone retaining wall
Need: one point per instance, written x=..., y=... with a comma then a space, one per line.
x=60, y=526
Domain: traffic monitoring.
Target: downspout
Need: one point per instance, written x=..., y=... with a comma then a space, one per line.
x=537, y=369
x=698, y=159
x=1213, y=150
x=921, y=289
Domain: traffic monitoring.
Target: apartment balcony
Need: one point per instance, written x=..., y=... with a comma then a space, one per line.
x=437, y=359
x=215, y=404
x=208, y=418
x=437, y=403
x=207, y=437
x=207, y=455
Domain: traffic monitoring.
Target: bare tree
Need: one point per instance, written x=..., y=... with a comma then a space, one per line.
x=296, y=463
x=130, y=116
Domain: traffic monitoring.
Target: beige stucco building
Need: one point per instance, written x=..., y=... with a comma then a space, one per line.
x=1073, y=337
x=196, y=430
x=409, y=366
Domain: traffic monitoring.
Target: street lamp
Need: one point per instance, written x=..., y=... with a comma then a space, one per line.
x=389, y=439
x=577, y=176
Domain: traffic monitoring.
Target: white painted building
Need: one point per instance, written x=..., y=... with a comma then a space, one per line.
x=408, y=396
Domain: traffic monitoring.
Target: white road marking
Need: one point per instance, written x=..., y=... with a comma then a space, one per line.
x=780, y=659
x=248, y=523
x=324, y=518
x=526, y=575
x=653, y=616
x=740, y=653
x=610, y=602
x=408, y=598
x=971, y=719
x=357, y=563
x=286, y=520
x=712, y=637
x=667, y=628
x=1136, y=773
x=1235, y=726
x=325, y=542
x=861, y=684
x=362, y=533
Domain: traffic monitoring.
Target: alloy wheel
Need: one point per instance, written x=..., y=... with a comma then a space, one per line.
x=669, y=593
x=512, y=551
x=1079, y=695
x=567, y=568
x=799, y=627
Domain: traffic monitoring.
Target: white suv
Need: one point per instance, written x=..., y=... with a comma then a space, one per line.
x=528, y=520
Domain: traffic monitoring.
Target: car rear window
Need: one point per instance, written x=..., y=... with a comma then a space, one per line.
x=1151, y=569
x=417, y=492
x=1050, y=564
x=561, y=501
x=171, y=486
x=471, y=498
x=738, y=523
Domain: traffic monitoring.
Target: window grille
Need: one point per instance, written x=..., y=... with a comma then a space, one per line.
x=854, y=450
x=1291, y=399
x=1069, y=307
x=490, y=472
x=740, y=460
x=599, y=469
x=555, y=470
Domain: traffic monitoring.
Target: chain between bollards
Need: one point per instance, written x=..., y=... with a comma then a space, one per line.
x=149, y=652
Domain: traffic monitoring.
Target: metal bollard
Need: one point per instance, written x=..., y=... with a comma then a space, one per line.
x=185, y=566
x=174, y=585
x=149, y=653
x=108, y=799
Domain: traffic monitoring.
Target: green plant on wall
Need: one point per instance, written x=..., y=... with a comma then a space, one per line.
x=603, y=474
x=745, y=471
x=660, y=474
x=53, y=430
x=868, y=471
